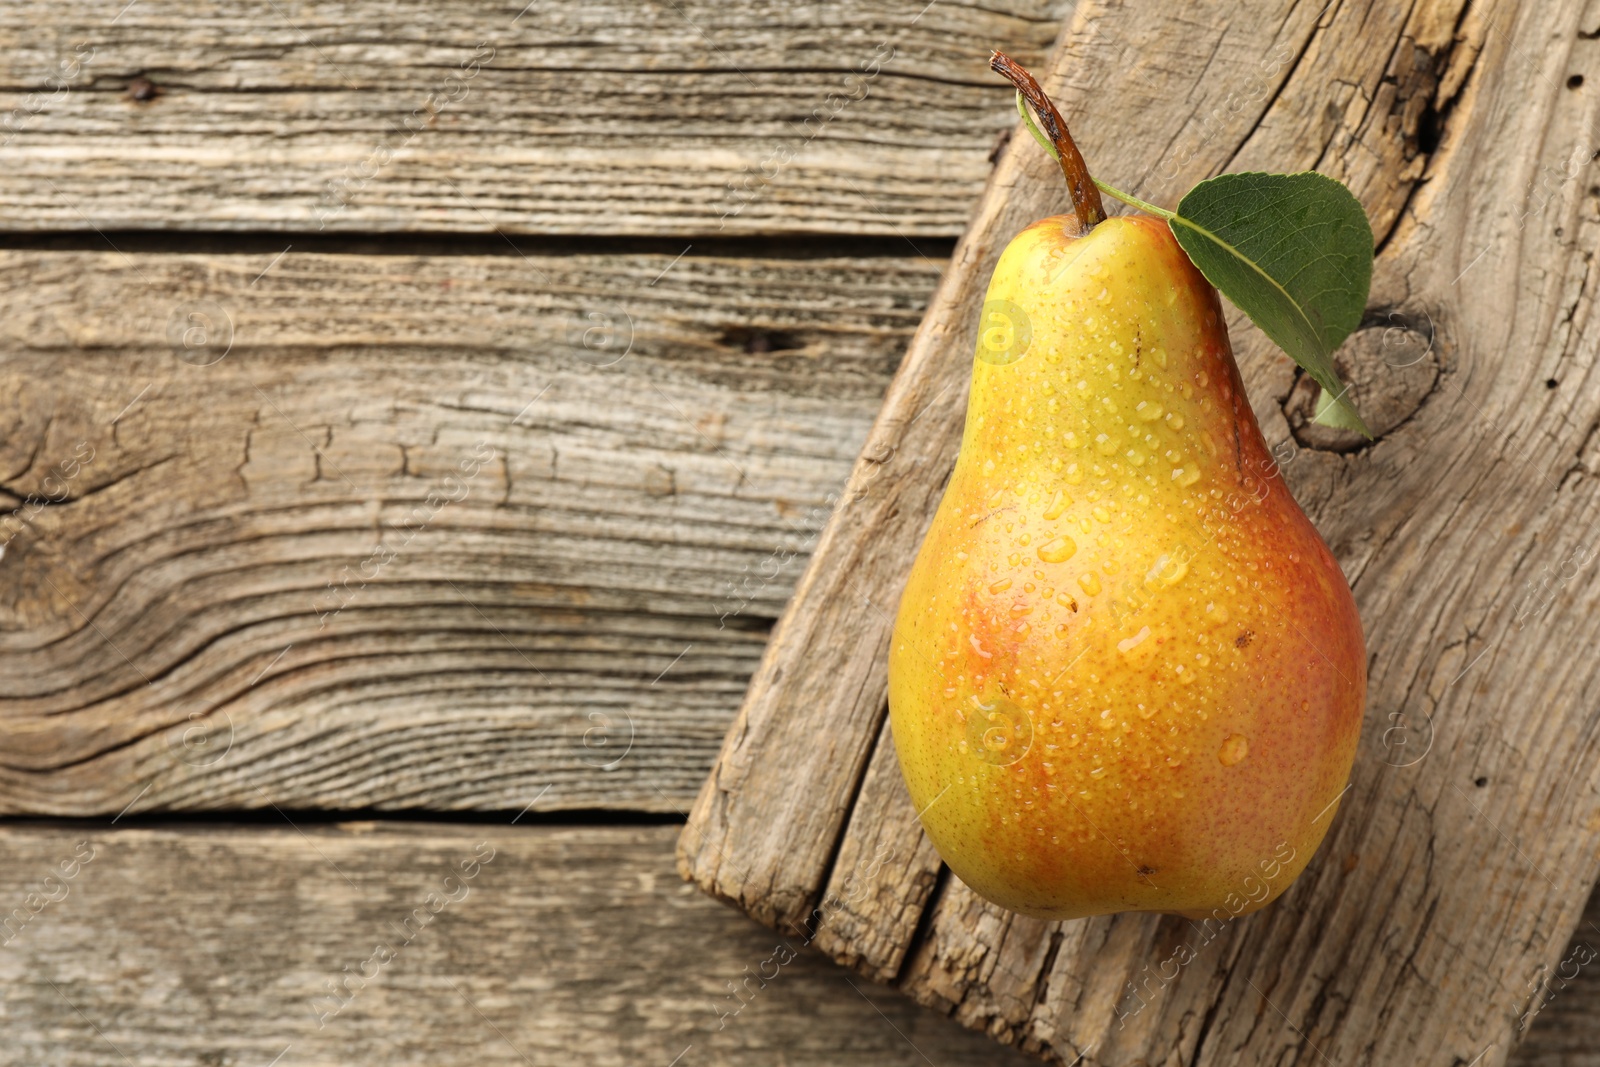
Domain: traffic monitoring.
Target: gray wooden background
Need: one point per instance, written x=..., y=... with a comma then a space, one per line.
x=418, y=416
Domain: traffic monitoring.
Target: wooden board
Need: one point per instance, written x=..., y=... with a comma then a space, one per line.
x=556, y=636
x=1557, y=1026
x=202, y=944
x=692, y=117
x=205, y=945
x=1468, y=842
x=434, y=532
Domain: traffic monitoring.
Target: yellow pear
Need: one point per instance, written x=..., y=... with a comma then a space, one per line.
x=1126, y=673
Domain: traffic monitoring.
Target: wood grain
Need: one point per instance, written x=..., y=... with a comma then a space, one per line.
x=1557, y=1027
x=1461, y=856
x=568, y=945
x=434, y=532
x=883, y=877
x=690, y=117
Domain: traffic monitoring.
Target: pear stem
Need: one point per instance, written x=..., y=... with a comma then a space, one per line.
x=1086, y=202
x=1044, y=143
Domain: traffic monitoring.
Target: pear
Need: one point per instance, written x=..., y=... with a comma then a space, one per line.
x=1126, y=673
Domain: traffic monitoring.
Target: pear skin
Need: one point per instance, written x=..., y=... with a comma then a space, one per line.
x=1126, y=673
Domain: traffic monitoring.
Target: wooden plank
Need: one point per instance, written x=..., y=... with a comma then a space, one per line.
x=879, y=887
x=693, y=117
x=1557, y=1025
x=576, y=944
x=1463, y=852
x=567, y=945
x=435, y=532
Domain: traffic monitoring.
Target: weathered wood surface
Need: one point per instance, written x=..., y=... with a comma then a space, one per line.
x=1463, y=853
x=1558, y=1026
x=206, y=945
x=559, y=499
x=210, y=944
x=688, y=117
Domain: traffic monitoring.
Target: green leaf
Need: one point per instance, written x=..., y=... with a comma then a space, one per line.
x=1341, y=416
x=1294, y=252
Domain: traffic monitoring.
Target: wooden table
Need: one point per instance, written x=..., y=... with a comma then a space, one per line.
x=419, y=416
